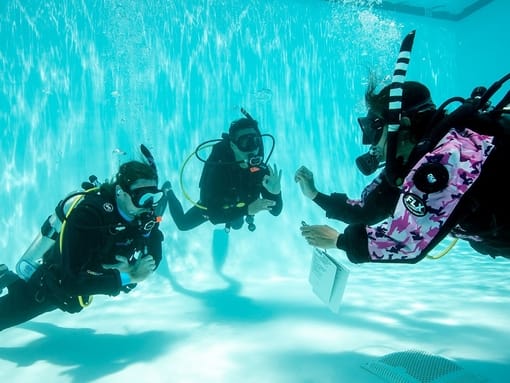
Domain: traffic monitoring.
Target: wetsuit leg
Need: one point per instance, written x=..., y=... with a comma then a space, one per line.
x=19, y=305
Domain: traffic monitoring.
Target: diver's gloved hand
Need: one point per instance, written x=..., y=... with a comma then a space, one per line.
x=272, y=181
x=304, y=177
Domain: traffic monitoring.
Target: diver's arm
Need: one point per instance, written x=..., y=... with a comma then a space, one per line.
x=377, y=203
x=373, y=244
x=175, y=207
x=154, y=247
x=354, y=241
x=271, y=188
x=184, y=221
x=361, y=245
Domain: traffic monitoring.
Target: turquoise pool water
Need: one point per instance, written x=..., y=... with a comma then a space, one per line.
x=84, y=83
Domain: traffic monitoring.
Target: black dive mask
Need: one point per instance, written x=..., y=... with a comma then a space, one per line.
x=369, y=162
x=372, y=127
x=146, y=197
x=248, y=142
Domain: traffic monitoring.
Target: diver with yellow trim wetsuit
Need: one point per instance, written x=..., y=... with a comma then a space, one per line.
x=109, y=241
x=236, y=183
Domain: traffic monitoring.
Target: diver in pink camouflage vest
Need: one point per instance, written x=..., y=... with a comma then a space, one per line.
x=442, y=175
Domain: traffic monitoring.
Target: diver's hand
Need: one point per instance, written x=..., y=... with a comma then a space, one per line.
x=122, y=265
x=260, y=204
x=272, y=181
x=142, y=268
x=304, y=177
x=321, y=236
x=138, y=271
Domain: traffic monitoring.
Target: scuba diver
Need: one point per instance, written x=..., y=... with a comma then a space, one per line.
x=236, y=183
x=108, y=241
x=442, y=175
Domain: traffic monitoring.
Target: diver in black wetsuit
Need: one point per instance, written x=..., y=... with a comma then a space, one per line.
x=95, y=250
x=235, y=184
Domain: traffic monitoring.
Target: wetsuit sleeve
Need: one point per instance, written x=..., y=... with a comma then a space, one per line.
x=376, y=203
x=82, y=246
x=154, y=246
x=277, y=198
x=354, y=241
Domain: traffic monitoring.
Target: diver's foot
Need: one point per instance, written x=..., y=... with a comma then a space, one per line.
x=6, y=276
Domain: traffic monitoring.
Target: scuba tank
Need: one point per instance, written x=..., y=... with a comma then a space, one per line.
x=32, y=259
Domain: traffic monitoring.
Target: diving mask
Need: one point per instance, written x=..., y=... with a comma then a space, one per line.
x=248, y=142
x=146, y=197
x=372, y=127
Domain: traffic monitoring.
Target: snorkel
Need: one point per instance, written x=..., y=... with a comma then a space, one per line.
x=395, y=109
x=374, y=124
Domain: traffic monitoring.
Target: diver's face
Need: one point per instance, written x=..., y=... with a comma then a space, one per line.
x=141, y=197
x=245, y=144
x=375, y=133
x=372, y=127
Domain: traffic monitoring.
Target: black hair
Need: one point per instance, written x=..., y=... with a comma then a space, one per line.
x=415, y=96
x=130, y=172
x=417, y=104
x=240, y=124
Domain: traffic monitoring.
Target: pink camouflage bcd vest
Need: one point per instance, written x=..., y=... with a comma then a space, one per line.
x=428, y=196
